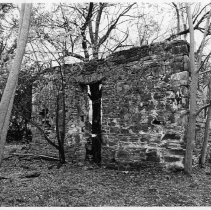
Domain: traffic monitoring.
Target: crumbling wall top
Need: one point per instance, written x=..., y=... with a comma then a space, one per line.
x=159, y=48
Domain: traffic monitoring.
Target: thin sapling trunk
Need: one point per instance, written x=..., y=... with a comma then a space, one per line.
x=9, y=91
x=202, y=158
x=193, y=92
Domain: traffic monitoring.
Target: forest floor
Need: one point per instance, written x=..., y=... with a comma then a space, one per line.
x=30, y=182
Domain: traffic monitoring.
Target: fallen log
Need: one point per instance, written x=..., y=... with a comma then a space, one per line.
x=7, y=157
x=2, y=177
x=44, y=157
x=32, y=174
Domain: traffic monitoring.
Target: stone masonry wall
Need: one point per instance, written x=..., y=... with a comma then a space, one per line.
x=144, y=99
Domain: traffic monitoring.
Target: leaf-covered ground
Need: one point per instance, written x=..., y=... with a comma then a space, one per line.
x=78, y=185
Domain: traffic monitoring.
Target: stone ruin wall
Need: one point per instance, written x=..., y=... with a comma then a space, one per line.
x=143, y=101
x=144, y=96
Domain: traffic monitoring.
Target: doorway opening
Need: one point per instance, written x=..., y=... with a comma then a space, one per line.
x=93, y=145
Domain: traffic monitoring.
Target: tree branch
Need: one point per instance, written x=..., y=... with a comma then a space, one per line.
x=83, y=30
x=204, y=72
x=200, y=13
x=75, y=55
x=91, y=34
x=201, y=47
x=120, y=43
x=97, y=23
x=178, y=17
x=204, y=107
x=43, y=133
x=196, y=27
x=112, y=26
x=38, y=127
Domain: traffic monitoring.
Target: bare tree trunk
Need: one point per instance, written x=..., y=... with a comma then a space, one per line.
x=9, y=91
x=183, y=20
x=63, y=120
x=62, y=136
x=202, y=158
x=193, y=92
x=59, y=133
x=178, y=17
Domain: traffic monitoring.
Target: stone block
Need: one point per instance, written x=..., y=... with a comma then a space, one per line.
x=171, y=136
x=178, y=58
x=136, y=128
x=145, y=96
x=112, y=124
x=172, y=158
x=152, y=156
x=122, y=155
x=124, y=131
x=119, y=86
x=123, y=138
x=115, y=130
x=179, y=48
x=144, y=139
x=144, y=127
x=180, y=76
x=177, y=151
x=112, y=143
x=143, y=156
x=173, y=145
x=126, y=87
x=186, y=63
